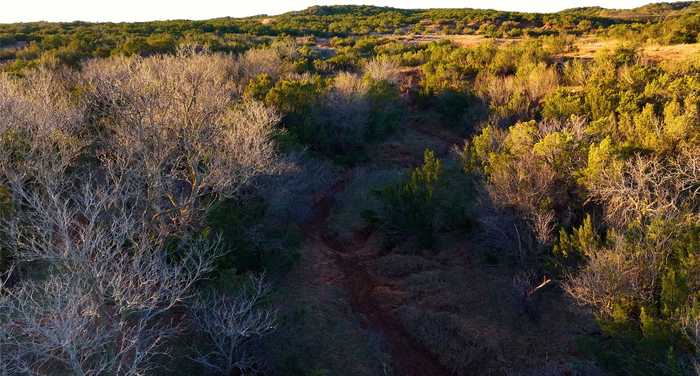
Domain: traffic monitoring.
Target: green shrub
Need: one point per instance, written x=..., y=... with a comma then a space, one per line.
x=630, y=355
x=259, y=87
x=571, y=249
x=344, y=60
x=562, y=104
x=644, y=333
x=232, y=221
x=295, y=96
x=344, y=116
x=409, y=207
x=458, y=109
x=386, y=110
x=15, y=143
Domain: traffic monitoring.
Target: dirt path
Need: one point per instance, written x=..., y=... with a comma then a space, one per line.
x=347, y=264
x=367, y=291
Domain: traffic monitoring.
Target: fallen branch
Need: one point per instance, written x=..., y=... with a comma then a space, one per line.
x=544, y=283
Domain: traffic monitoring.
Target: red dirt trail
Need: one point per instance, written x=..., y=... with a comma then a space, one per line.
x=367, y=292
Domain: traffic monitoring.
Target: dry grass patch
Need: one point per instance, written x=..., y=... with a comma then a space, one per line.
x=676, y=52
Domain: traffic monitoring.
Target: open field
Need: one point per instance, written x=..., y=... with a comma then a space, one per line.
x=677, y=52
x=584, y=47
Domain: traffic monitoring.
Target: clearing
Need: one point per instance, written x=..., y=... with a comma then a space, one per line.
x=377, y=311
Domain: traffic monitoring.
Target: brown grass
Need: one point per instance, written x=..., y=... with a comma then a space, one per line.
x=462, y=40
x=587, y=47
x=676, y=52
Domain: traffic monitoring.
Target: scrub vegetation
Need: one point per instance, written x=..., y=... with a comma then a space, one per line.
x=353, y=190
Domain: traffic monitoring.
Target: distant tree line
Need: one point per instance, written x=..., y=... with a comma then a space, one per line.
x=25, y=44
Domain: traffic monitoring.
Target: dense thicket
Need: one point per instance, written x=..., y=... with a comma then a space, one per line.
x=111, y=172
x=603, y=173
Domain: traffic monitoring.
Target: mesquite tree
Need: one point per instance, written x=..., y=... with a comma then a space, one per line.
x=110, y=172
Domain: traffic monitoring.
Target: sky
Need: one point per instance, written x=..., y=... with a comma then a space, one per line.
x=147, y=10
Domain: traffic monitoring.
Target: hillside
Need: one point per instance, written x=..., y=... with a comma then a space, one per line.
x=353, y=190
x=663, y=23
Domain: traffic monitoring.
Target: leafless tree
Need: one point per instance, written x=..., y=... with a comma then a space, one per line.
x=177, y=134
x=39, y=127
x=526, y=185
x=97, y=207
x=649, y=187
x=108, y=304
x=690, y=322
x=538, y=81
x=543, y=223
x=535, y=184
x=515, y=96
x=346, y=104
x=231, y=323
x=502, y=229
x=615, y=273
x=686, y=169
x=383, y=68
x=267, y=60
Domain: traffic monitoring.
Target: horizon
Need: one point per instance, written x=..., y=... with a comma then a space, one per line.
x=160, y=10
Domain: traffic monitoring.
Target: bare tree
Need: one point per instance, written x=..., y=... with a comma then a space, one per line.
x=538, y=81
x=383, y=68
x=95, y=224
x=660, y=194
x=543, y=223
x=686, y=169
x=231, y=323
x=108, y=304
x=618, y=272
x=346, y=105
x=268, y=60
x=178, y=136
x=40, y=127
x=526, y=185
x=690, y=322
x=530, y=169
x=641, y=189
